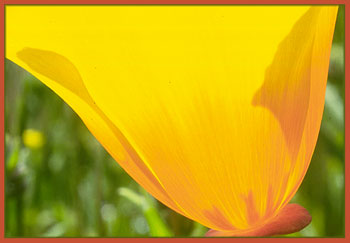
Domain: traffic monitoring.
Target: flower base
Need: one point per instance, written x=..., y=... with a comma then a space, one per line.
x=292, y=218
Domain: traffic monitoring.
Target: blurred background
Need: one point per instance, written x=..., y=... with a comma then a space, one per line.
x=60, y=182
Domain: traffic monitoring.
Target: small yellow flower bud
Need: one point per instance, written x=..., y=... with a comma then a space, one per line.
x=33, y=139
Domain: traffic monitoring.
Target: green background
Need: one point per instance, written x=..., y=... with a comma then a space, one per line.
x=70, y=187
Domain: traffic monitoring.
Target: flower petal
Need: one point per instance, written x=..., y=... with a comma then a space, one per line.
x=58, y=73
x=292, y=218
x=176, y=84
x=294, y=88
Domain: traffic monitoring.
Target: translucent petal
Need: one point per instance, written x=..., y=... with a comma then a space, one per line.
x=215, y=110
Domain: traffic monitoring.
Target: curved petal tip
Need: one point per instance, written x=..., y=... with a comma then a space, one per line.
x=292, y=218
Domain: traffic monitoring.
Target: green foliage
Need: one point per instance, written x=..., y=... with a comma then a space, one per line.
x=146, y=203
x=71, y=187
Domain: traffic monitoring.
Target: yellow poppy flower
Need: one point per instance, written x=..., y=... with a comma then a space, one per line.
x=214, y=110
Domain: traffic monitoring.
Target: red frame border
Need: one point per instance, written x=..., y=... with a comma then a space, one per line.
x=245, y=2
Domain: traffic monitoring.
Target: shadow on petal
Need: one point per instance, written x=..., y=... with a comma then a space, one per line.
x=286, y=88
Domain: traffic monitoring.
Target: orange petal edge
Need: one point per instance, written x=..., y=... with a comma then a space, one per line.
x=292, y=218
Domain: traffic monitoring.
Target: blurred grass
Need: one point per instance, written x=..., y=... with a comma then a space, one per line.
x=68, y=186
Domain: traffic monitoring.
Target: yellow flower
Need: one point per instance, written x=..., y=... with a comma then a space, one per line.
x=33, y=139
x=214, y=110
